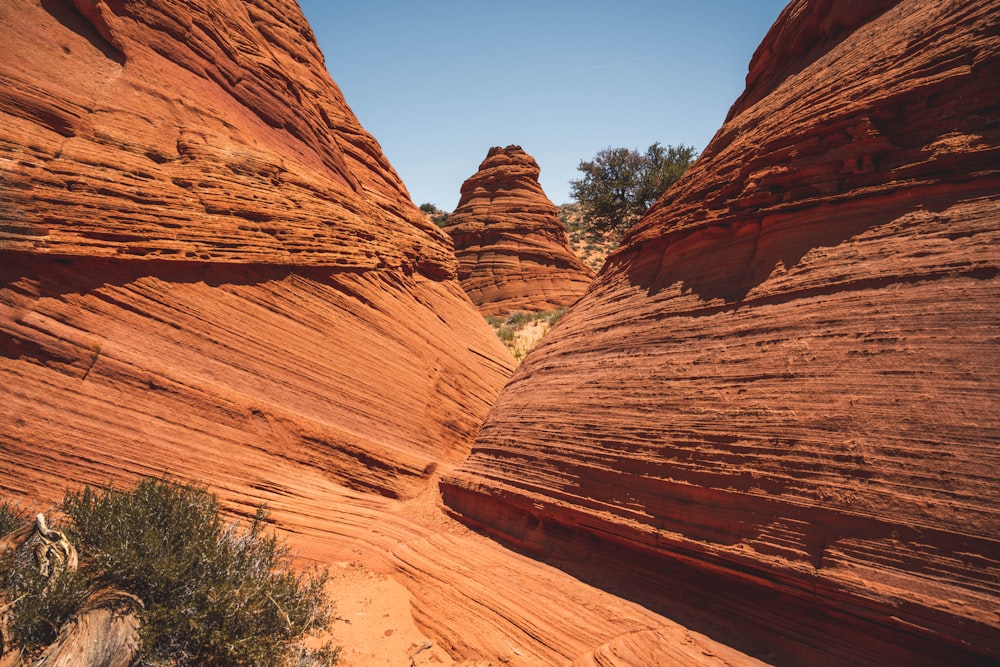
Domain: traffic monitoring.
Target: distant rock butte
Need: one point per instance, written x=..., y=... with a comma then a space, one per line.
x=209, y=270
x=513, y=251
x=774, y=412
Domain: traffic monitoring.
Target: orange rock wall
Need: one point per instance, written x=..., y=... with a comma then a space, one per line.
x=208, y=269
x=513, y=251
x=776, y=407
x=192, y=131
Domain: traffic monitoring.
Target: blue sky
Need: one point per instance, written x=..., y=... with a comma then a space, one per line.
x=439, y=83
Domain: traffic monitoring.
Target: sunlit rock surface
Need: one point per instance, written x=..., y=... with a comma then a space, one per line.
x=513, y=251
x=208, y=267
x=774, y=413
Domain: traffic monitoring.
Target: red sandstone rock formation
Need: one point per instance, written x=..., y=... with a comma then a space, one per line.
x=208, y=267
x=774, y=413
x=208, y=270
x=512, y=250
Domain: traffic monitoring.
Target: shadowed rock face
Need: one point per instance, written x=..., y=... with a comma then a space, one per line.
x=208, y=267
x=512, y=250
x=774, y=413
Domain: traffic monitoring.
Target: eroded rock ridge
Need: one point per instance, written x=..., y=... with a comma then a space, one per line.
x=774, y=412
x=209, y=270
x=513, y=251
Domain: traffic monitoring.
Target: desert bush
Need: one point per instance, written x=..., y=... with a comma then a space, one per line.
x=437, y=216
x=554, y=316
x=214, y=594
x=12, y=517
x=232, y=598
x=39, y=605
x=519, y=318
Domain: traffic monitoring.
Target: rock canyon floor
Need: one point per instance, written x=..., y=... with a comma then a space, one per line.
x=414, y=586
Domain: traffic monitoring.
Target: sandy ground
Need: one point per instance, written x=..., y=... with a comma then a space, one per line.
x=373, y=623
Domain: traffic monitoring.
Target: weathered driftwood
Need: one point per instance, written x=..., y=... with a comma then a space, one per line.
x=104, y=634
x=40, y=547
x=53, y=552
x=11, y=659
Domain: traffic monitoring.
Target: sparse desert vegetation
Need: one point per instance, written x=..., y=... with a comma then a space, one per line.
x=212, y=593
x=520, y=331
x=590, y=250
x=436, y=215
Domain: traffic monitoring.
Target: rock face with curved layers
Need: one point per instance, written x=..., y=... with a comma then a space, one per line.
x=774, y=412
x=209, y=269
x=192, y=131
x=513, y=251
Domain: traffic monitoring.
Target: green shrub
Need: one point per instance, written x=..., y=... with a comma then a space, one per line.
x=40, y=605
x=504, y=332
x=438, y=217
x=213, y=594
x=518, y=319
x=554, y=316
x=12, y=517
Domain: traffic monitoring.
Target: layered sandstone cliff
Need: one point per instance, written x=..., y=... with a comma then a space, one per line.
x=774, y=413
x=209, y=271
x=208, y=267
x=512, y=250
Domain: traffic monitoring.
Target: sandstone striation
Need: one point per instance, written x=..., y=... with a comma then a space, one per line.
x=209, y=270
x=773, y=415
x=513, y=251
x=192, y=131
